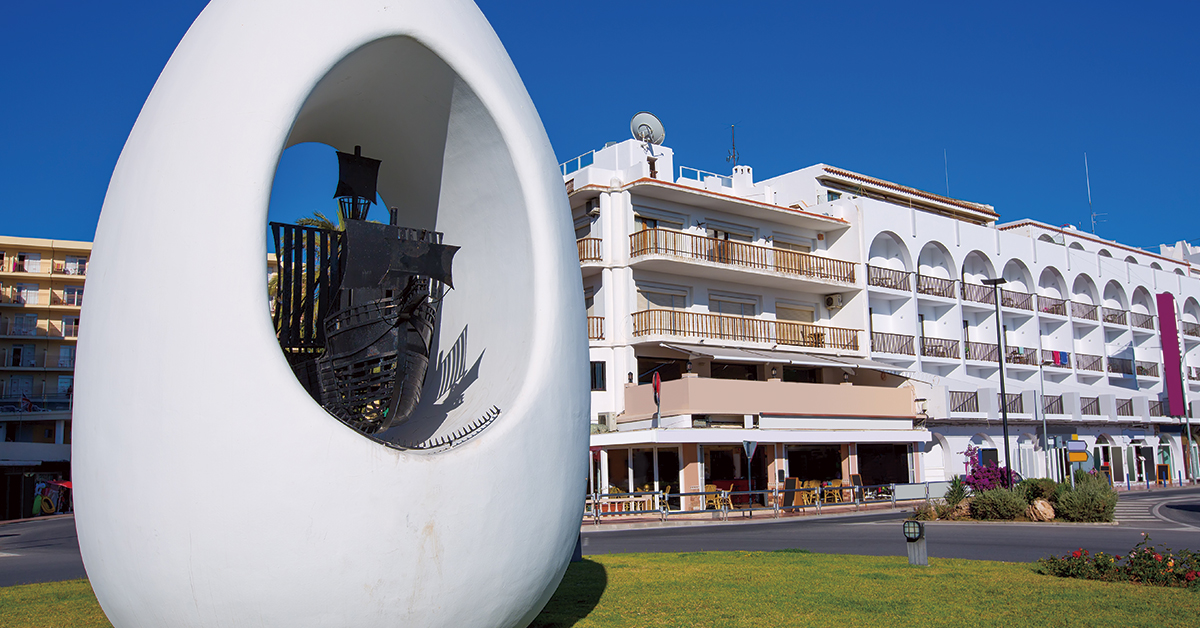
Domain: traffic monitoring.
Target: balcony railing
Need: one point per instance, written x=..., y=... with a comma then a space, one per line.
x=983, y=352
x=1089, y=406
x=935, y=286
x=1058, y=359
x=939, y=348
x=1193, y=373
x=45, y=267
x=979, y=294
x=1124, y=407
x=1120, y=366
x=595, y=328
x=589, y=249
x=1083, y=310
x=745, y=328
x=10, y=328
x=1085, y=362
x=884, y=342
x=1114, y=317
x=691, y=246
x=964, y=401
x=1191, y=329
x=1142, y=321
x=1146, y=369
x=1016, y=403
x=15, y=401
x=1050, y=305
x=1016, y=300
x=1052, y=404
x=48, y=360
x=1156, y=407
x=889, y=278
x=1022, y=355
x=67, y=298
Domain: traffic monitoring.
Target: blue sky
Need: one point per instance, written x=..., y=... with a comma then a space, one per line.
x=1013, y=93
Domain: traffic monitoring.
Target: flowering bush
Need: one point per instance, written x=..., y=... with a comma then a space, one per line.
x=1153, y=565
x=986, y=478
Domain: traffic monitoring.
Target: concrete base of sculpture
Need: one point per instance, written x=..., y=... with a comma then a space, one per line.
x=211, y=490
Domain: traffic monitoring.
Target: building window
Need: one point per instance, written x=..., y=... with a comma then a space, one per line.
x=75, y=265
x=73, y=295
x=598, y=380
x=727, y=306
x=70, y=326
x=648, y=299
x=832, y=196
x=798, y=314
x=26, y=293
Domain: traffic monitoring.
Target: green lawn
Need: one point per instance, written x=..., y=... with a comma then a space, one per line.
x=770, y=588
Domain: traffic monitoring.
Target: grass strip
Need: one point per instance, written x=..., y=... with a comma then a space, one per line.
x=787, y=588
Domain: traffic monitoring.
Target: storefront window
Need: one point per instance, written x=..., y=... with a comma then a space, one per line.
x=618, y=471
x=643, y=469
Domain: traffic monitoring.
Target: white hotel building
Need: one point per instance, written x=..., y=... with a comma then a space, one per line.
x=840, y=322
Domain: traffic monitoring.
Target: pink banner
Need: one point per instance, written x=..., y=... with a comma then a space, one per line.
x=1172, y=372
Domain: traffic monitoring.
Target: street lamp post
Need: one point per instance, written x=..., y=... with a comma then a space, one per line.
x=995, y=284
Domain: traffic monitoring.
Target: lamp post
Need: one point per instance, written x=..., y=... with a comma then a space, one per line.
x=995, y=284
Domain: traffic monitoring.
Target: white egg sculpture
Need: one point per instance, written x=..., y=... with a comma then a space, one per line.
x=211, y=489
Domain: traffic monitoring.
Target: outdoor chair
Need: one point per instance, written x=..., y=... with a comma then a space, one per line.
x=832, y=496
x=710, y=501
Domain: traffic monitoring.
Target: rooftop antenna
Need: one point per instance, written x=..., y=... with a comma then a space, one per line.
x=1087, y=177
x=733, y=154
x=647, y=128
x=946, y=161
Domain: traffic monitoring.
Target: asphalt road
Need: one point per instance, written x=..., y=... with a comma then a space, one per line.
x=39, y=551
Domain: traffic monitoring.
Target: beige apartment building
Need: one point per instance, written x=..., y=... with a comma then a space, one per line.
x=41, y=291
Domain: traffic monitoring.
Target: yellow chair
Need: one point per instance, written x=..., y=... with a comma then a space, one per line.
x=832, y=496
x=710, y=500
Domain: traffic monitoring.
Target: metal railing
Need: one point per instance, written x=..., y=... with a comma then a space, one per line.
x=691, y=246
x=1083, y=310
x=582, y=161
x=1156, y=407
x=729, y=327
x=695, y=174
x=1146, y=369
x=1022, y=355
x=1016, y=300
x=1089, y=406
x=1124, y=407
x=1191, y=329
x=939, y=348
x=1141, y=321
x=1120, y=366
x=67, y=298
x=595, y=328
x=1058, y=359
x=18, y=402
x=983, y=352
x=1015, y=404
x=978, y=293
x=964, y=401
x=1085, y=362
x=11, y=328
x=589, y=249
x=935, y=286
x=1052, y=404
x=889, y=278
x=884, y=342
x=1114, y=317
x=48, y=361
x=1050, y=305
x=45, y=267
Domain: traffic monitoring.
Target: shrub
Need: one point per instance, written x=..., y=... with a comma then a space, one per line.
x=1152, y=565
x=990, y=477
x=924, y=511
x=956, y=492
x=998, y=503
x=1090, y=501
x=1038, y=488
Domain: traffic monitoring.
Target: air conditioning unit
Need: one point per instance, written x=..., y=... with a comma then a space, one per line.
x=833, y=301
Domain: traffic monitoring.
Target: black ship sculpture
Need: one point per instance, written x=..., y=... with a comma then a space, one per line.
x=355, y=309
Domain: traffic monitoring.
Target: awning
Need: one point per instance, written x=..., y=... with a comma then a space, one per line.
x=728, y=354
x=870, y=364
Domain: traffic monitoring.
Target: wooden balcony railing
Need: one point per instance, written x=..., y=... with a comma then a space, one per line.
x=1052, y=404
x=964, y=401
x=1022, y=355
x=1124, y=407
x=983, y=352
x=1016, y=402
x=884, y=342
x=1120, y=366
x=1089, y=406
x=1146, y=369
x=935, y=286
x=1142, y=321
x=691, y=246
x=595, y=328
x=888, y=278
x=1016, y=300
x=939, y=348
x=1057, y=359
x=1083, y=310
x=1114, y=317
x=589, y=249
x=1156, y=407
x=1050, y=305
x=1085, y=362
x=978, y=294
x=1191, y=329
x=745, y=328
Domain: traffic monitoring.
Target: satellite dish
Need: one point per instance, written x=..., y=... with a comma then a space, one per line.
x=646, y=127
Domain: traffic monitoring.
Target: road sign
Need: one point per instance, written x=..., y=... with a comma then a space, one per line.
x=1078, y=456
x=749, y=446
x=657, y=387
x=1076, y=445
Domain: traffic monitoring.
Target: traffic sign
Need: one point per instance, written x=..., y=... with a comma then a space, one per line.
x=749, y=446
x=1076, y=445
x=657, y=387
x=1078, y=456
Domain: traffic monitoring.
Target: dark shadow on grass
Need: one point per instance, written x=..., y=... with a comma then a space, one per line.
x=577, y=594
